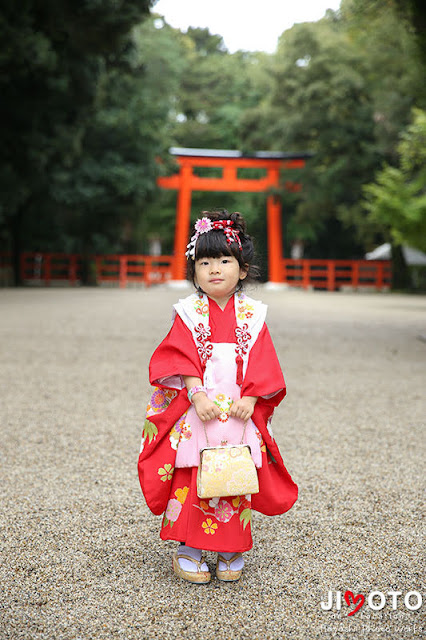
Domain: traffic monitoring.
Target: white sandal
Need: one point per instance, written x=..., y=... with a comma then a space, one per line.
x=228, y=575
x=199, y=576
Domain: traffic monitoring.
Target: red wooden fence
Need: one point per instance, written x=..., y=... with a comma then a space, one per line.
x=133, y=268
x=335, y=274
x=45, y=268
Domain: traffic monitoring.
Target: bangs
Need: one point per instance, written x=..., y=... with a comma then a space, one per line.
x=214, y=244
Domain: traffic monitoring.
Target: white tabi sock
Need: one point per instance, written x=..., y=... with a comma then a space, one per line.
x=187, y=565
x=236, y=565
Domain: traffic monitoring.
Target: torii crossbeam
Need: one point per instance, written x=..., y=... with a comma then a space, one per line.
x=230, y=162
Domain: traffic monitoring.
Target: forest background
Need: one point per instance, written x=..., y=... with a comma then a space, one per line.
x=95, y=92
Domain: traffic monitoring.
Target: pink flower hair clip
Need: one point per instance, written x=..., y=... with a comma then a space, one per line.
x=204, y=225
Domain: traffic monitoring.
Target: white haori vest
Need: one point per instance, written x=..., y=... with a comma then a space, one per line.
x=250, y=316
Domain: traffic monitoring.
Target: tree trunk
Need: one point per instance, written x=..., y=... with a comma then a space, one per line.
x=88, y=276
x=16, y=238
x=401, y=279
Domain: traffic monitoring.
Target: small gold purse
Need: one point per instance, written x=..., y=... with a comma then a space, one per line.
x=226, y=470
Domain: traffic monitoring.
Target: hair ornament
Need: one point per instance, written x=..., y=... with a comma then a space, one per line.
x=232, y=235
x=204, y=225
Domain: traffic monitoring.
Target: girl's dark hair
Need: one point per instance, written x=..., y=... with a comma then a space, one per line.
x=213, y=244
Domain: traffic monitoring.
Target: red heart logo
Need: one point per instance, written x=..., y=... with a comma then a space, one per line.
x=350, y=598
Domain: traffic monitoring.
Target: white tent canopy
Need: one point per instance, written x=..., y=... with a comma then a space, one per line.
x=383, y=252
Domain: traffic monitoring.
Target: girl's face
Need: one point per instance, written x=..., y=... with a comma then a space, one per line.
x=218, y=277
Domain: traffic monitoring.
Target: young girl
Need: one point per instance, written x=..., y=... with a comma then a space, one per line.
x=215, y=372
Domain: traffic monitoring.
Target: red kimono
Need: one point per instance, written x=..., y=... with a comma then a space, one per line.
x=203, y=335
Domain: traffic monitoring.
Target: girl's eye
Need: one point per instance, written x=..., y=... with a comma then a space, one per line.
x=225, y=260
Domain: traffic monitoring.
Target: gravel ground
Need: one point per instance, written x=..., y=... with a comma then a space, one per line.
x=81, y=554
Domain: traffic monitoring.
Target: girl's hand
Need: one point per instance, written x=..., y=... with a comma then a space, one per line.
x=243, y=408
x=205, y=408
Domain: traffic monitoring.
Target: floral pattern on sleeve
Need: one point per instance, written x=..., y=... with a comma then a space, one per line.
x=181, y=430
x=159, y=401
x=262, y=444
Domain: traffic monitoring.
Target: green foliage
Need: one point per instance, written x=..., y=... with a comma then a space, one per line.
x=216, y=89
x=393, y=71
x=95, y=91
x=54, y=56
x=342, y=87
x=115, y=175
x=409, y=13
x=213, y=90
x=397, y=199
x=321, y=103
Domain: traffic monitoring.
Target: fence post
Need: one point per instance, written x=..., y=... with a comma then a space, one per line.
x=331, y=275
x=147, y=271
x=379, y=275
x=123, y=272
x=305, y=274
x=48, y=269
x=355, y=274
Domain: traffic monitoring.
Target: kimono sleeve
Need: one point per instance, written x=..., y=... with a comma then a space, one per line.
x=264, y=377
x=175, y=357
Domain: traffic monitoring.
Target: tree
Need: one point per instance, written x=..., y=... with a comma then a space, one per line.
x=53, y=55
x=114, y=178
x=216, y=89
x=394, y=72
x=411, y=12
x=397, y=198
x=342, y=87
x=321, y=103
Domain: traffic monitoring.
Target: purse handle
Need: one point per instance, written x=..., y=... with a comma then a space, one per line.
x=242, y=437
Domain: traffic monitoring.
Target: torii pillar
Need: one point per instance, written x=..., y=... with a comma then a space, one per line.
x=230, y=161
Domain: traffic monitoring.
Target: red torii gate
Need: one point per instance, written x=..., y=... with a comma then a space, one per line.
x=230, y=161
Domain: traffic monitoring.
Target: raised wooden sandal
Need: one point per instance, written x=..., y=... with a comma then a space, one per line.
x=228, y=575
x=199, y=576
